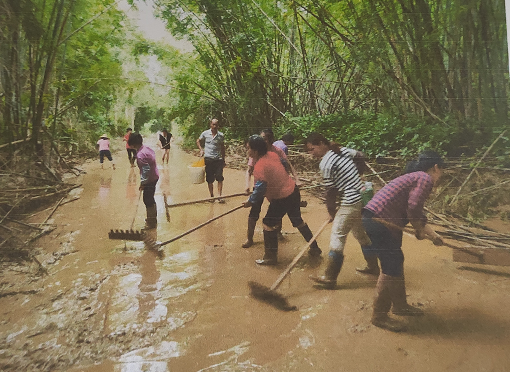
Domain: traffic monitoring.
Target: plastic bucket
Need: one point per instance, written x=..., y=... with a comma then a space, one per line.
x=197, y=174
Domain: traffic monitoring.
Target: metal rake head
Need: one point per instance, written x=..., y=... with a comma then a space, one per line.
x=126, y=234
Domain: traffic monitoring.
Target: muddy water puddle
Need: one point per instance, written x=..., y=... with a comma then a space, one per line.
x=113, y=305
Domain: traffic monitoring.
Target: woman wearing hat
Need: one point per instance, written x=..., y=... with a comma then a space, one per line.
x=104, y=150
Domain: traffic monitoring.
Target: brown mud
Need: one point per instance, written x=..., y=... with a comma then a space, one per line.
x=112, y=305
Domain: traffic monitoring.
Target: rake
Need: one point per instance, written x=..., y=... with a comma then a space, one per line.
x=130, y=234
x=269, y=295
x=152, y=244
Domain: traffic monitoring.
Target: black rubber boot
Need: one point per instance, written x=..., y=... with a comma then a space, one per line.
x=270, y=248
x=151, y=222
x=328, y=280
x=249, y=234
x=314, y=250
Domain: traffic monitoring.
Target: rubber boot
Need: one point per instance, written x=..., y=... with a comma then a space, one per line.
x=400, y=305
x=249, y=234
x=382, y=305
x=328, y=280
x=314, y=250
x=372, y=267
x=270, y=248
x=151, y=222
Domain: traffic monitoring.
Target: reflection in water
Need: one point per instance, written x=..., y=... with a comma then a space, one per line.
x=151, y=308
x=104, y=187
x=149, y=359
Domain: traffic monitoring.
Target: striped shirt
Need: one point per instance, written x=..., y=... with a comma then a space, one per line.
x=339, y=171
x=403, y=198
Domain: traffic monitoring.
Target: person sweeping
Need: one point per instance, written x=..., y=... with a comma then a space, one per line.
x=340, y=176
x=273, y=182
x=149, y=176
x=399, y=202
x=268, y=136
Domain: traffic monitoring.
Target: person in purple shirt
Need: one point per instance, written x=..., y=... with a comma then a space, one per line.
x=149, y=176
x=399, y=202
x=283, y=143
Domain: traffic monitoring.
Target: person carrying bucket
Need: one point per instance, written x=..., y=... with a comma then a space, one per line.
x=340, y=175
x=149, y=176
x=212, y=147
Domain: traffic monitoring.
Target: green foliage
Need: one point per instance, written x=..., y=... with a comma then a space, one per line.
x=375, y=135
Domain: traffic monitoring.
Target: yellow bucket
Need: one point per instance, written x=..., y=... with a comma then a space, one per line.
x=197, y=171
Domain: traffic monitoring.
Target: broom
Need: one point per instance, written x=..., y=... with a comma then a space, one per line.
x=269, y=295
x=152, y=244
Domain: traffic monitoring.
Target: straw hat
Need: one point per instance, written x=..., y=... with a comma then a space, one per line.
x=104, y=136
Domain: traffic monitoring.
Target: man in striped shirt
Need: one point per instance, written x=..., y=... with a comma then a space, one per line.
x=340, y=177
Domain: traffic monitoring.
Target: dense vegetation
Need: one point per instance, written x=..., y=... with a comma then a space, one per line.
x=382, y=75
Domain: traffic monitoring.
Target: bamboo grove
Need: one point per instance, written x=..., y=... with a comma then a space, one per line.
x=382, y=73
x=444, y=63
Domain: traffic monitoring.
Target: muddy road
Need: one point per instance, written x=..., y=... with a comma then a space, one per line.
x=111, y=305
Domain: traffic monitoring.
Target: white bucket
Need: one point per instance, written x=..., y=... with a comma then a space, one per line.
x=197, y=174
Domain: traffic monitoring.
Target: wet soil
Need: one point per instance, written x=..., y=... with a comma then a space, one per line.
x=113, y=305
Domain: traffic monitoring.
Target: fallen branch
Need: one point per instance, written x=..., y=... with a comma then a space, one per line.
x=454, y=199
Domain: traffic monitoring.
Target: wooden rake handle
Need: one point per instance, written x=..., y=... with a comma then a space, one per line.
x=205, y=200
x=199, y=226
x=409, y=231
x=296, y=259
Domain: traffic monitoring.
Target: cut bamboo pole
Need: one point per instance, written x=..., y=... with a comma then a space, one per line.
x=205, y=200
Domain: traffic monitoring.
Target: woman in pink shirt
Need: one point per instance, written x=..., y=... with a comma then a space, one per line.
x=149, y=176
x=273, y=182
x=104, y=150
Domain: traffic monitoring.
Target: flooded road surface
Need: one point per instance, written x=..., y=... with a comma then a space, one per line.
x=113, y=305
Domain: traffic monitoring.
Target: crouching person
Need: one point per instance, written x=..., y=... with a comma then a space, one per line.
x=149, y=176
x=273, y=182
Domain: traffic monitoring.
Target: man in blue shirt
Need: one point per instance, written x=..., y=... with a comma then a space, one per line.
x=212, y=146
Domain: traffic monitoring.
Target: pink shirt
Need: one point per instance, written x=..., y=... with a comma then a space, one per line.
x=274, y=149
x=104, y=144
x=146, y=161
x=269, y=169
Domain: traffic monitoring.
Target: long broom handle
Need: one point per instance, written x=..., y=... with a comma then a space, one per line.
x=296, y=259
x=407, y=230
x=199, y=226
x=205, y=200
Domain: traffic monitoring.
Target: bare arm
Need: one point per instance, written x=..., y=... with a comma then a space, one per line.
x=199, y=144
x=331, y=194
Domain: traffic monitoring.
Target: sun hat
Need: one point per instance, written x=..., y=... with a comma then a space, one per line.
x=104, y=136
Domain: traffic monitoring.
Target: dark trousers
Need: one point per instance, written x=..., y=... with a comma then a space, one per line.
x=386, y=245
x=104, y=153
x=214, y=170
x=131, y=155
x=148, y=194
x=289, y=206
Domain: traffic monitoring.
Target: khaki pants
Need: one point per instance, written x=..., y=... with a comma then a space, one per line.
x=347, y=218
